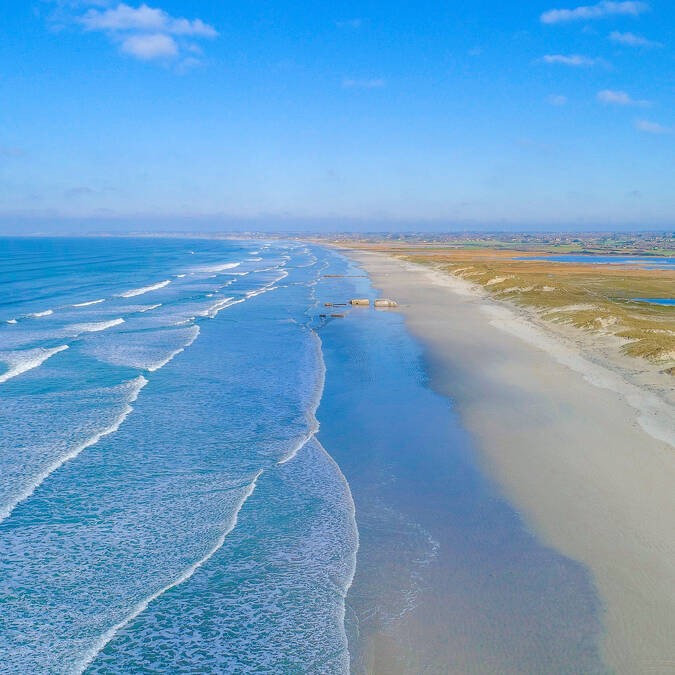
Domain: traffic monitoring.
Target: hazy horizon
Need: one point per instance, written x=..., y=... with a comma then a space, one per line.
x=197, y=227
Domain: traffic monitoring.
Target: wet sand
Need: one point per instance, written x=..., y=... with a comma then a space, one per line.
x=587, y=458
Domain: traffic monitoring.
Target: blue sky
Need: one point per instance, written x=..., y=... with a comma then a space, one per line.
x=367, y=115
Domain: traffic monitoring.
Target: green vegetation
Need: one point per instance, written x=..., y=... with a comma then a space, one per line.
x=591, y=243
x=591, y=297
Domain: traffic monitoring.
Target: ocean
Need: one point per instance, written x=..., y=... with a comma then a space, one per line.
x=200, y=473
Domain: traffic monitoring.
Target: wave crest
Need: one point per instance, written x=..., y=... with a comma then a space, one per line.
x=21, y=361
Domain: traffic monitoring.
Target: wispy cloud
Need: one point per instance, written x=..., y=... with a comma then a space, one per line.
x=79, y=191
x=150, y=46
x=652, y=127
x=572, y=60
x=597, y=11
x=612, y=97
x=632, y=40
x=146, y=19
x=557, y=99
x=349, y=83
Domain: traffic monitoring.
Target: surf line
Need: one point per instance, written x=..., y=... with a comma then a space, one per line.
x=36, y=357
x=311, y=418
x=160, y=364
x=314, y=423
x=140, y=607
x=138, y=384
x=144, y=289
x=89, y=656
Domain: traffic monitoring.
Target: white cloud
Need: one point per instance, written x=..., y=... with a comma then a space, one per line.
x=188, y=64
x=144, y=18
x=557, y=99
x=149, y=47
x=651, y=127
x=571, y=60
x=632, y=40
x=618, y=98
x=598, y=11
x=363, y=84
x=144, y=32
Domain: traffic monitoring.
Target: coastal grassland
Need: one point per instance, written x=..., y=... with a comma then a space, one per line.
x=639, y=244
x=596, y=298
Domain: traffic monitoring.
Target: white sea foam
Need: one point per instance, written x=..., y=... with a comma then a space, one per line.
x=89, y=656
x=86, y=304
x=219, y=268
x=103, y=640
x=12, y=321
x=21, y=361
x=312, y=421
x=147, y=350
x=313, y=430
x=255, y=259
x=135, y=387
x=145, y=289
x=160, y=364
x=212, y=311
x=150, y=307
x=180, y=276
x=259, y=291
x=215, y=308
x=93, y=327
x=352, y=558
x=36, y=315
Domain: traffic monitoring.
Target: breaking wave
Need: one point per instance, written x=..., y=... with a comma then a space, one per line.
x=22, y=361
x=144, y=289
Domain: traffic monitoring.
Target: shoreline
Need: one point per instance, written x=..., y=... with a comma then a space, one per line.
x=566, y=439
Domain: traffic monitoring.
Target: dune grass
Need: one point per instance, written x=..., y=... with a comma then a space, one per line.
x=595, y=298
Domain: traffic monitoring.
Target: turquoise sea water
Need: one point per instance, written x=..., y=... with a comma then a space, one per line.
x=167, y=506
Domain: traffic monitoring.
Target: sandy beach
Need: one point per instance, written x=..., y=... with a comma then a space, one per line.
x=585, y=455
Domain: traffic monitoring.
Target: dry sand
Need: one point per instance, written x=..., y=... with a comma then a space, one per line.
x=585, y=455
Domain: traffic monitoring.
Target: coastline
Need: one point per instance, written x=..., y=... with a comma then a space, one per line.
x=447, y=577
x=584, y=454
